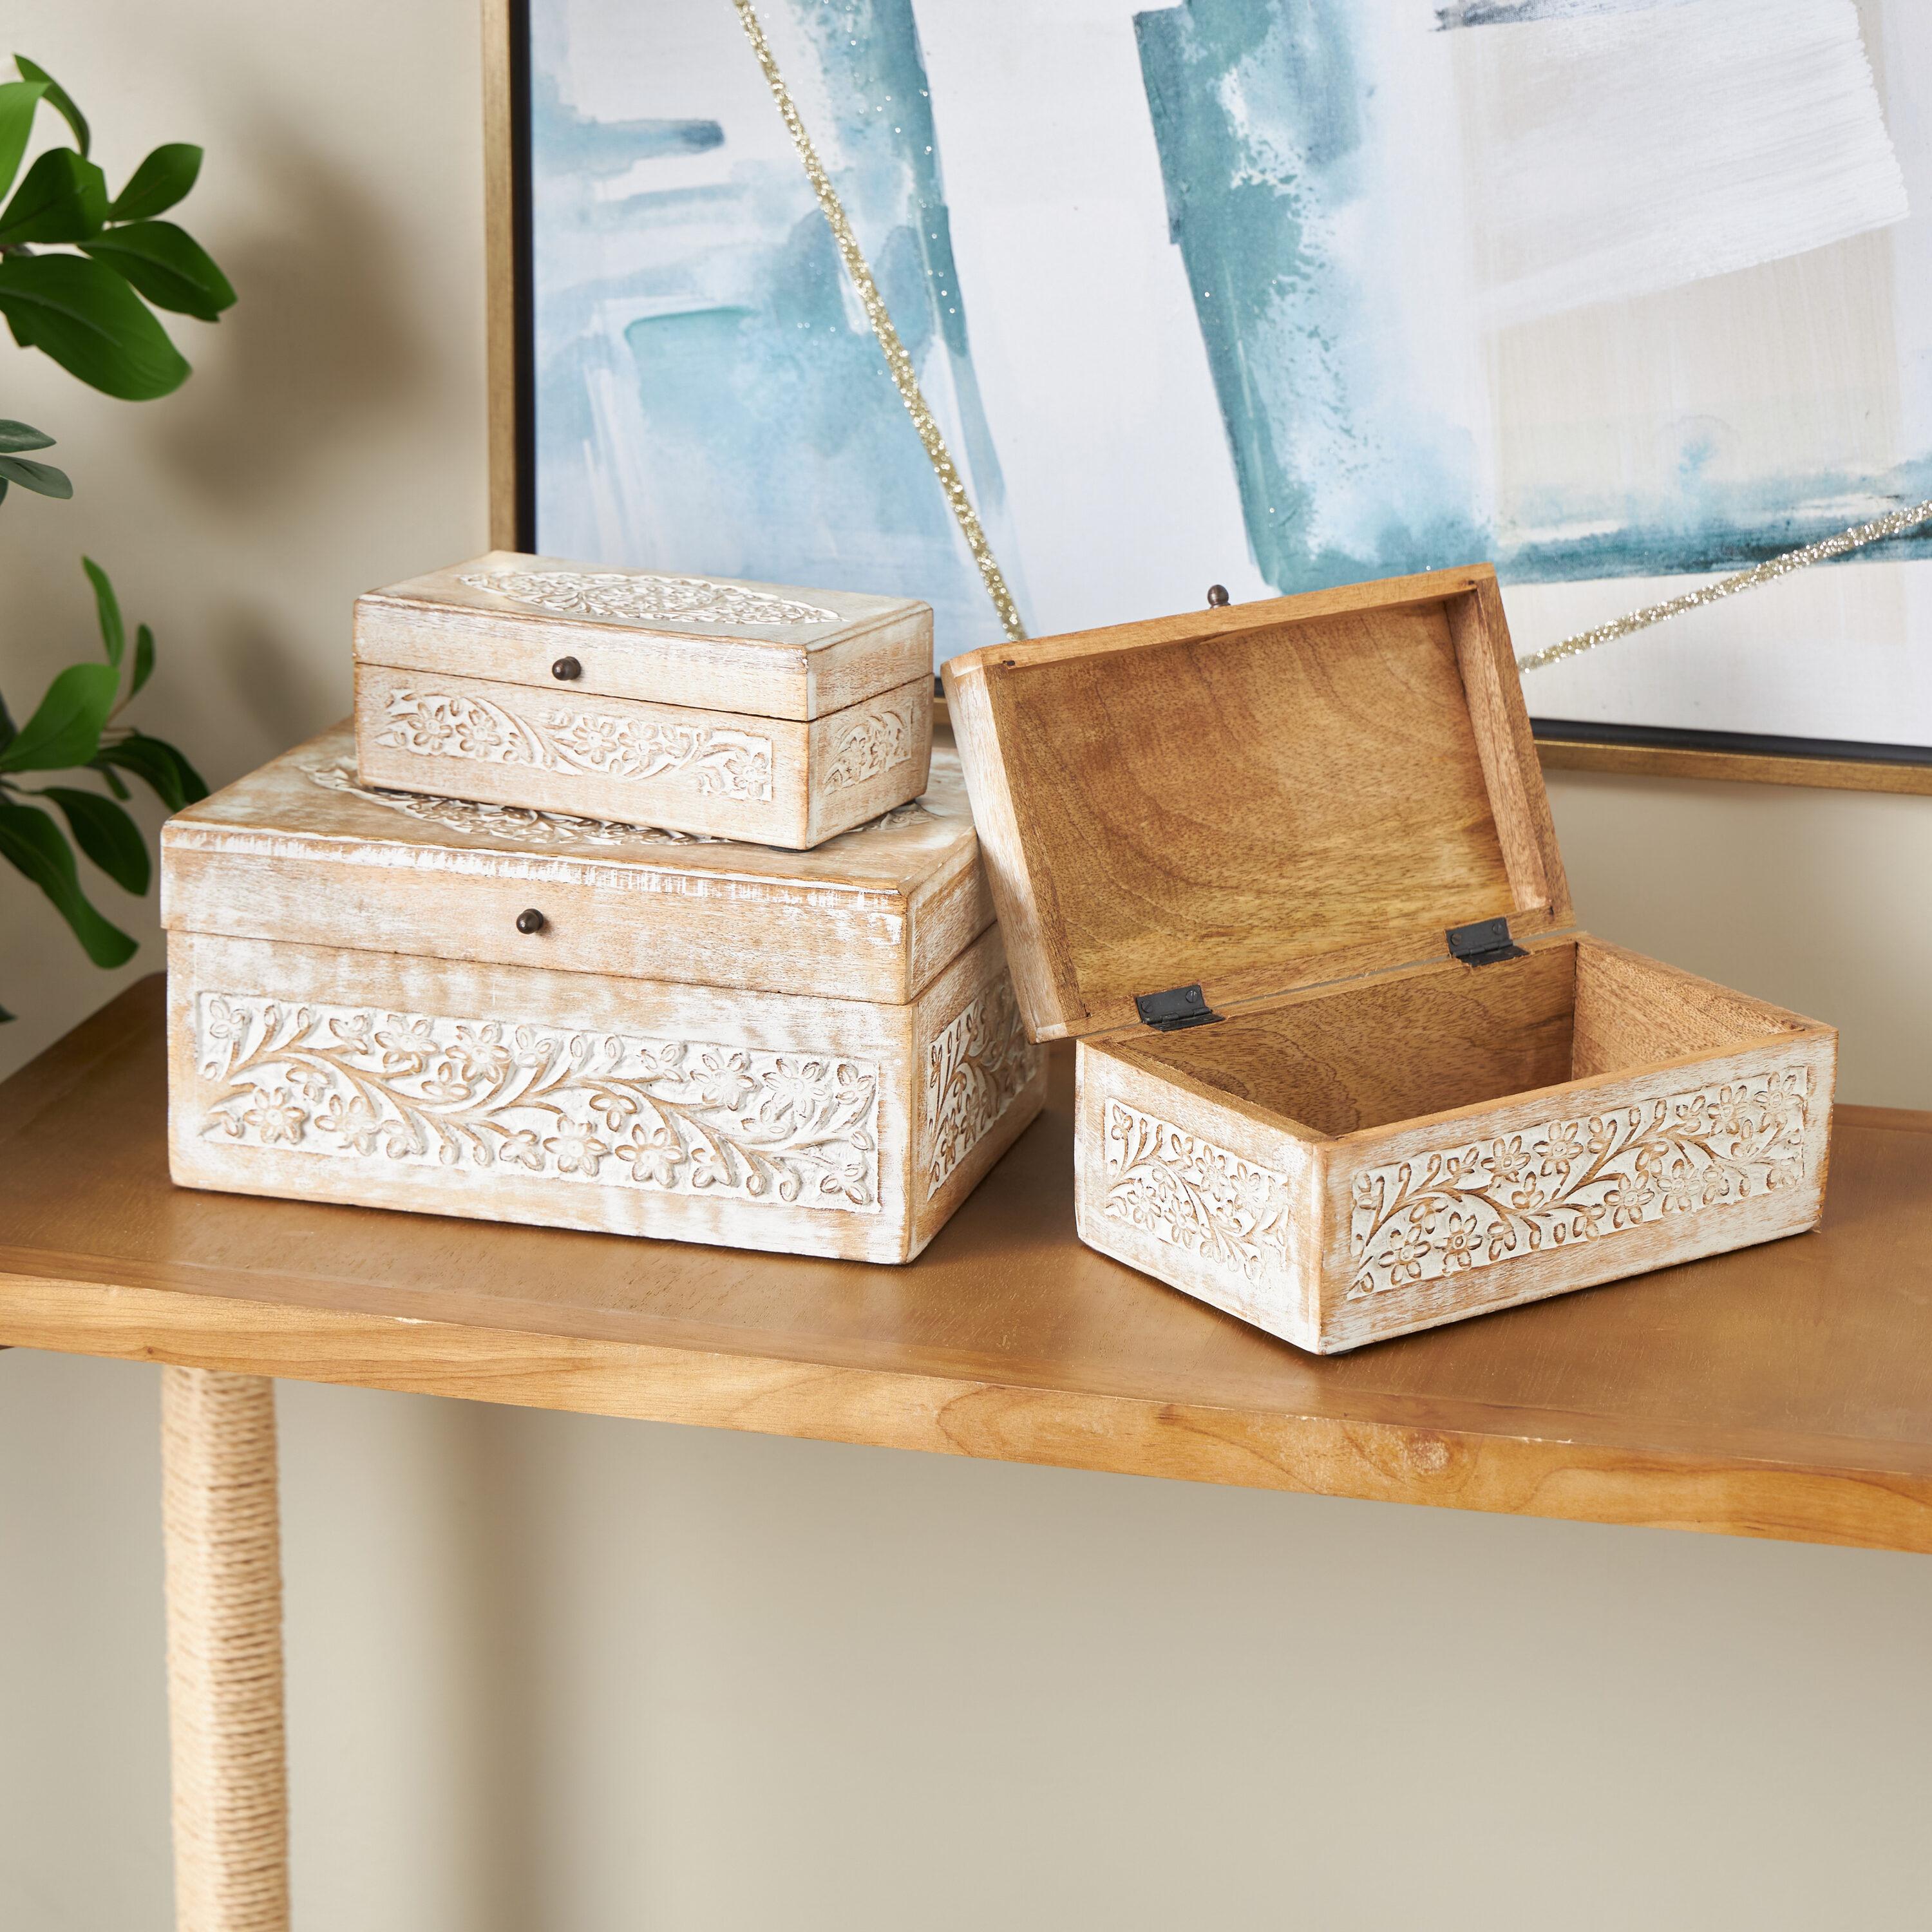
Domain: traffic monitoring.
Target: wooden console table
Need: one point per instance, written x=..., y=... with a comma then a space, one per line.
x=1783, y=1391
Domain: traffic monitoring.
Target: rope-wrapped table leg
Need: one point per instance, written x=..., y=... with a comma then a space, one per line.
x=224, y=1593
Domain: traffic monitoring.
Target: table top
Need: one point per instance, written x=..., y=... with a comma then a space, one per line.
x=1785, y=1390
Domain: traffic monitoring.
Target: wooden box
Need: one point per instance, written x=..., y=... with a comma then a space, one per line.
x=418, y=1002
x=740, y=710
x=1346, y=1068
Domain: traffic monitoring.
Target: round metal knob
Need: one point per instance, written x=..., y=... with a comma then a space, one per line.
x=530, y=920
x=567, y=668
x=1217, y=596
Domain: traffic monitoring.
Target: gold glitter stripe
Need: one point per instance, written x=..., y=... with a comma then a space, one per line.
x=897, y=360
x=1856, y=538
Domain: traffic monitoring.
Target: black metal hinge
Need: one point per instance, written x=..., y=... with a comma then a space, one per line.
x=1483, y=942
x=1179, y=1006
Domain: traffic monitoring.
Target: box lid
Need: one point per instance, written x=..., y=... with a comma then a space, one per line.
x=300, y=851
x=1257, y=797
x=765, y=650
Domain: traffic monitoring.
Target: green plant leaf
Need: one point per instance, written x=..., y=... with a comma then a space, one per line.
x=58, y=98
x=158, y=766
x=41, y=477
x=106, y=835
x=163, y=179
x=144, y=659
x=62, y=199
x=31, y=842
x=16, y=436
x=4, y=1016
x=65, y=730
x=7, y=732
x=19, y=101
x=168, y=265
x=113, y=632
x=84, y=316
x=114, y=782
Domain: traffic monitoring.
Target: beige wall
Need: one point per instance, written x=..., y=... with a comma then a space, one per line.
x=552, y=1673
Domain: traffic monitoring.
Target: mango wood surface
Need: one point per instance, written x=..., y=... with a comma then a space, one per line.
x=1785, y=1390
x=1258, y=797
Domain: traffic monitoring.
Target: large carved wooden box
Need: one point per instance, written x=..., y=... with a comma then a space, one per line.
x=747, y=711
x=1347, y=1069
x=409, y=1001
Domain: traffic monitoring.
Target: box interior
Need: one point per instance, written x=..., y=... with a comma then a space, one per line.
x=1372, y=1054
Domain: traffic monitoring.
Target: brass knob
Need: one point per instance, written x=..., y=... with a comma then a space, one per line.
x=1217, y=596
x=567, y=668
x=530, y=920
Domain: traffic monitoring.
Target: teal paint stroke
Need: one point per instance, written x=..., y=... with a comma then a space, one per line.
x=1262, y=115
x=1258, y=116
x=709, y=396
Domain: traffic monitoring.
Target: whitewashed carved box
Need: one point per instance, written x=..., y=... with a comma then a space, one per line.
x=748, y=711
x=1346, y=1067
x=408, y=1001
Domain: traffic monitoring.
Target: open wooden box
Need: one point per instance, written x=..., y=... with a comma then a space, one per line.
x=1346, y=1069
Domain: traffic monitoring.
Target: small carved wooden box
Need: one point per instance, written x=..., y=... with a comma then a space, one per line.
x=1346, y=1068
x=410, y=1001
x=738, y=710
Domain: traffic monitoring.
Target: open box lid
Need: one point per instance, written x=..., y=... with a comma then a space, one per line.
x=767, y=650
x=1254, y=798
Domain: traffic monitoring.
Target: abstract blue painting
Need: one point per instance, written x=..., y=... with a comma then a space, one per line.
x=1621, y=294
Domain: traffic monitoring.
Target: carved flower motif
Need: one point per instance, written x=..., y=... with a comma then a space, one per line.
x=654, y=1156
x=1460, y=1241
x=522, y=1148
x=577, y=1150
x=352, y=1118
x=409, y=1044
x=478, y=1053
x=275, y=1117
x=1405, y=1252
x=727, y=1078
x=793, y=1090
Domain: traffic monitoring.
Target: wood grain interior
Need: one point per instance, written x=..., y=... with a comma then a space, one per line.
x=1398, y=1048
x=1223, y=807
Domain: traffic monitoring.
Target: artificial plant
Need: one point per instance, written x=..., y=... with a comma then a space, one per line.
x=81, y=274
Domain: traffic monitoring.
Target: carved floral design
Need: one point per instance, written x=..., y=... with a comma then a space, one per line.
x=978, y=1065
x=881, y=736
x=633, y=597
x=1194, y=1195
x=1570, y=1180
x=549, y=828
x=503, y=821
x=673, y=1117
x=726, y=763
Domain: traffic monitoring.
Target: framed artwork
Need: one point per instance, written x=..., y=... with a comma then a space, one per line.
x=1626, y=295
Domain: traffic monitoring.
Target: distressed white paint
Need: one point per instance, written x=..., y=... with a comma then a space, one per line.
x=1617, y=155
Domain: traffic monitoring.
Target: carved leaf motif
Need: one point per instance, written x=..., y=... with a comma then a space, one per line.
x=1565, y=1181
x=676, y=1117
x=871, y=744
x=635, y=598
x=978, y=1065
x=549, y=828
x=1194, y=1195
x=726, y=763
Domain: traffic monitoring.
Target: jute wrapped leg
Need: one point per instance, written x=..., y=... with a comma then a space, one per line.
x=224, y=1591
